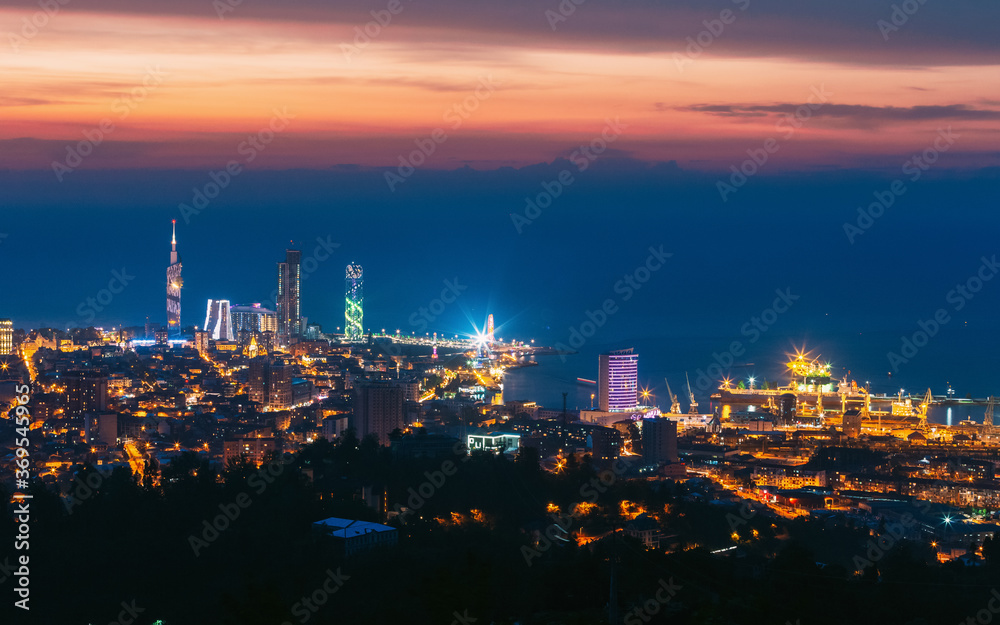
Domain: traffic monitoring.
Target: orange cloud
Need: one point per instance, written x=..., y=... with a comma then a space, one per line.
x=184, y=91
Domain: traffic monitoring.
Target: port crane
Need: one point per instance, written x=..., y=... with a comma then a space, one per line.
x=924, y=405
x=694, y=405
x=675, y=406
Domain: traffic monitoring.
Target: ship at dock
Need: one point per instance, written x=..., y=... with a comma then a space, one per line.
x=812, y=398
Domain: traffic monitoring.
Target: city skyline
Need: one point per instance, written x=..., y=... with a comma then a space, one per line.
x=808, y=322
x=289, y=282
x=541, y=311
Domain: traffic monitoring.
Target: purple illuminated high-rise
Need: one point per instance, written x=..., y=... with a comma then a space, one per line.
x=618, y=382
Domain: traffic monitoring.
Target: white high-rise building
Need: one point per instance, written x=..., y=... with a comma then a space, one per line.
x=218, y=320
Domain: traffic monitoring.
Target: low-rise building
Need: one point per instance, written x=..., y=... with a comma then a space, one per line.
x=498, y=442
x=787, y=477
x=355, y=536
x=645, y=530
x=257, y=448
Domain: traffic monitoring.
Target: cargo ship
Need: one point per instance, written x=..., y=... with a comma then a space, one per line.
x=812, y=397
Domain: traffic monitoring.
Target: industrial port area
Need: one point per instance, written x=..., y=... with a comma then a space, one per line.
x=832, y=451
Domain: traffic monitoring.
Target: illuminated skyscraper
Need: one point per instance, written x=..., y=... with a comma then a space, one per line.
x=253, y=318
x=279, y=385
x=270, y=382
x=218, y=320
x=618, y=382
x=6, y=337
x=289, y=308
x=174, y=283
x=86, y=391
x=489, y=331
x=354, y=311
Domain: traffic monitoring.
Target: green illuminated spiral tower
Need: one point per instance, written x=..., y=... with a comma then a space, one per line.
x=354, y=310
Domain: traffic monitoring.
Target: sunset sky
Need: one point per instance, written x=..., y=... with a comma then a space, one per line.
x=172, y=92
x=212, y=81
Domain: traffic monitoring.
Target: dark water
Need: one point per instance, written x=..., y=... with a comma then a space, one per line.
x=451, y=232
x=672, y=357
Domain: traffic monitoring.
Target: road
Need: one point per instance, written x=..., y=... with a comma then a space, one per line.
x=135, y=459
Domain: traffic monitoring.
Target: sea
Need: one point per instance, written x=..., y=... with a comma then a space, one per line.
x=668, y=359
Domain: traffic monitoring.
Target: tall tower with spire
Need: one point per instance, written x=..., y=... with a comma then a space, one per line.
x=174, y=283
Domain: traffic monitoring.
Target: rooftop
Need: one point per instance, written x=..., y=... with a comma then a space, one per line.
x=346, y=528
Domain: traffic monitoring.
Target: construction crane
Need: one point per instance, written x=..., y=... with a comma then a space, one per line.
x=694, y=405
x=675, y=406
x=924, y=406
